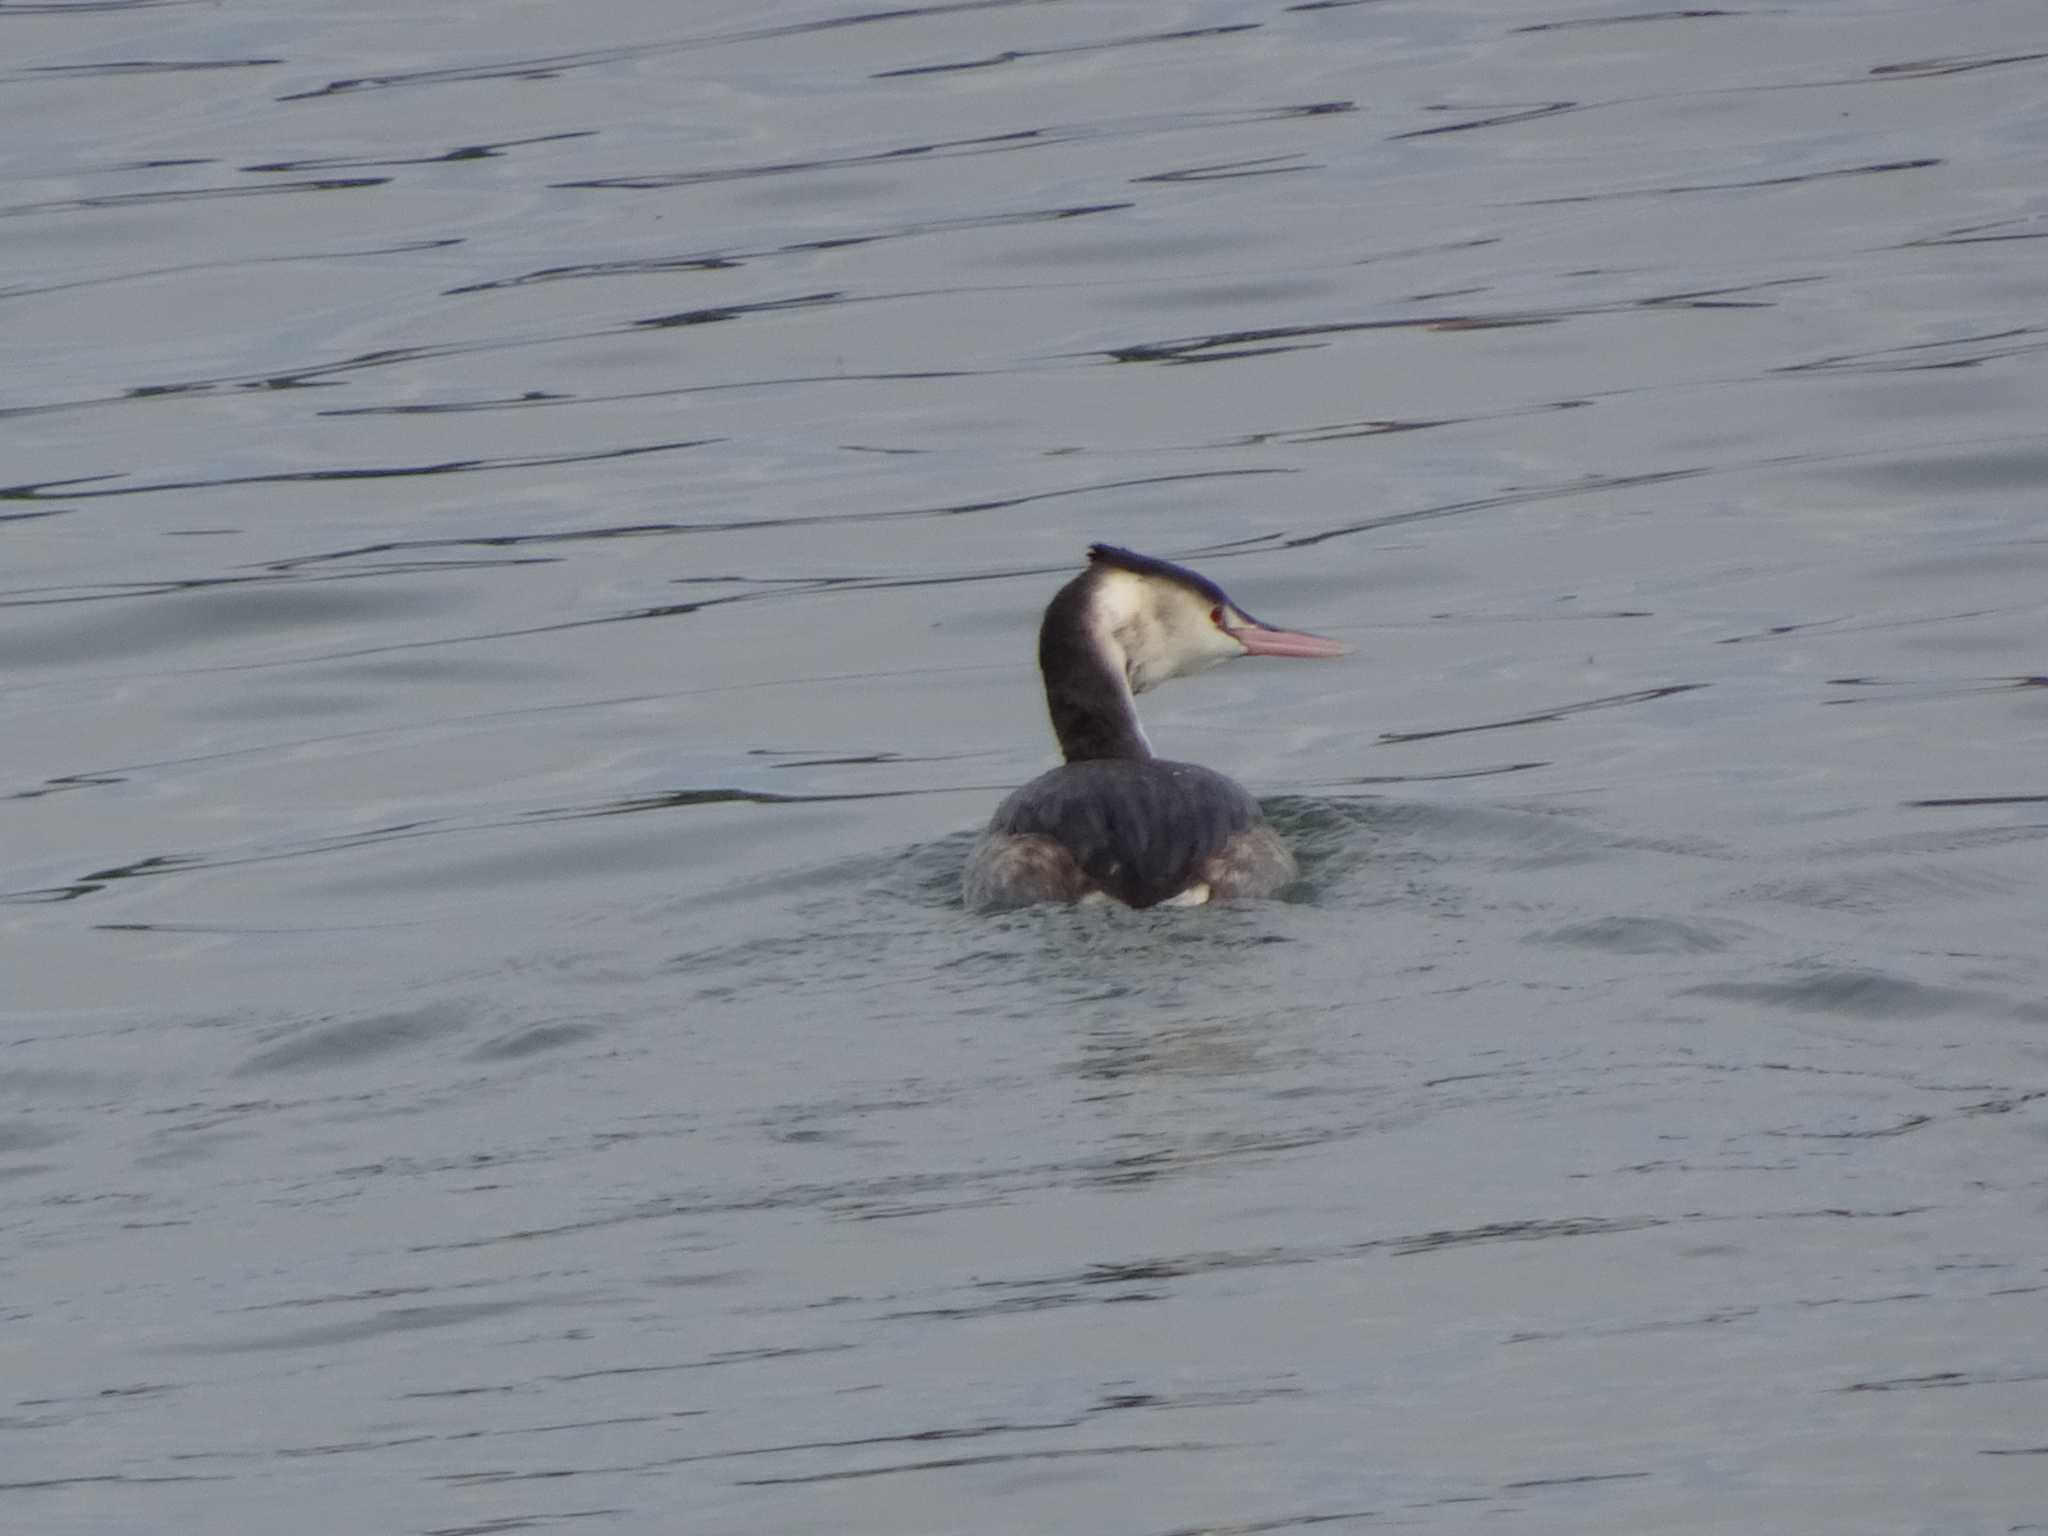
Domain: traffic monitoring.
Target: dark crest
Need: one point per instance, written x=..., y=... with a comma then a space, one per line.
x=1146, y=565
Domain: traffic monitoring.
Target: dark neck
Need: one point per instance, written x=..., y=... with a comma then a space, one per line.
x=1085, y=691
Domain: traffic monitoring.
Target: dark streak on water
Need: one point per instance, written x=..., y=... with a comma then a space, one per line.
x=522, y=534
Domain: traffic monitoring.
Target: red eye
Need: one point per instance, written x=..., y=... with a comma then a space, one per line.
x=1216, y=616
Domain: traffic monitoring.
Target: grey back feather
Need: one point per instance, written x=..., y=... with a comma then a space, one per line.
x=1142, y=829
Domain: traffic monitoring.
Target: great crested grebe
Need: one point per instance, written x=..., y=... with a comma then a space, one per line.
x=1114, y=821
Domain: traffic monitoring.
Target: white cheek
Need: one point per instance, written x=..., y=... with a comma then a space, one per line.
x=1212, y=648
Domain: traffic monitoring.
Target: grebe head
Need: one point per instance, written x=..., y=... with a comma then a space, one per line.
x=1165, y=621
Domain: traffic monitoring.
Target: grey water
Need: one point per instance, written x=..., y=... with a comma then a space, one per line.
x=521, y=531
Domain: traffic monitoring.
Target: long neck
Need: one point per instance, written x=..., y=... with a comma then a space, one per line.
x=1090, y=702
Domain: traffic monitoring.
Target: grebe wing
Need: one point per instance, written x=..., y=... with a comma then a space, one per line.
x=1141, y=830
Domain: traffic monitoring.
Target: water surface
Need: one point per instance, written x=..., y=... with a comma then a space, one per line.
x=520, y=539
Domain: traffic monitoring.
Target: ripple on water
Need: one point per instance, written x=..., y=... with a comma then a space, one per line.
x=327, y=1044
x=1854, y=993
x=1637, y=936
